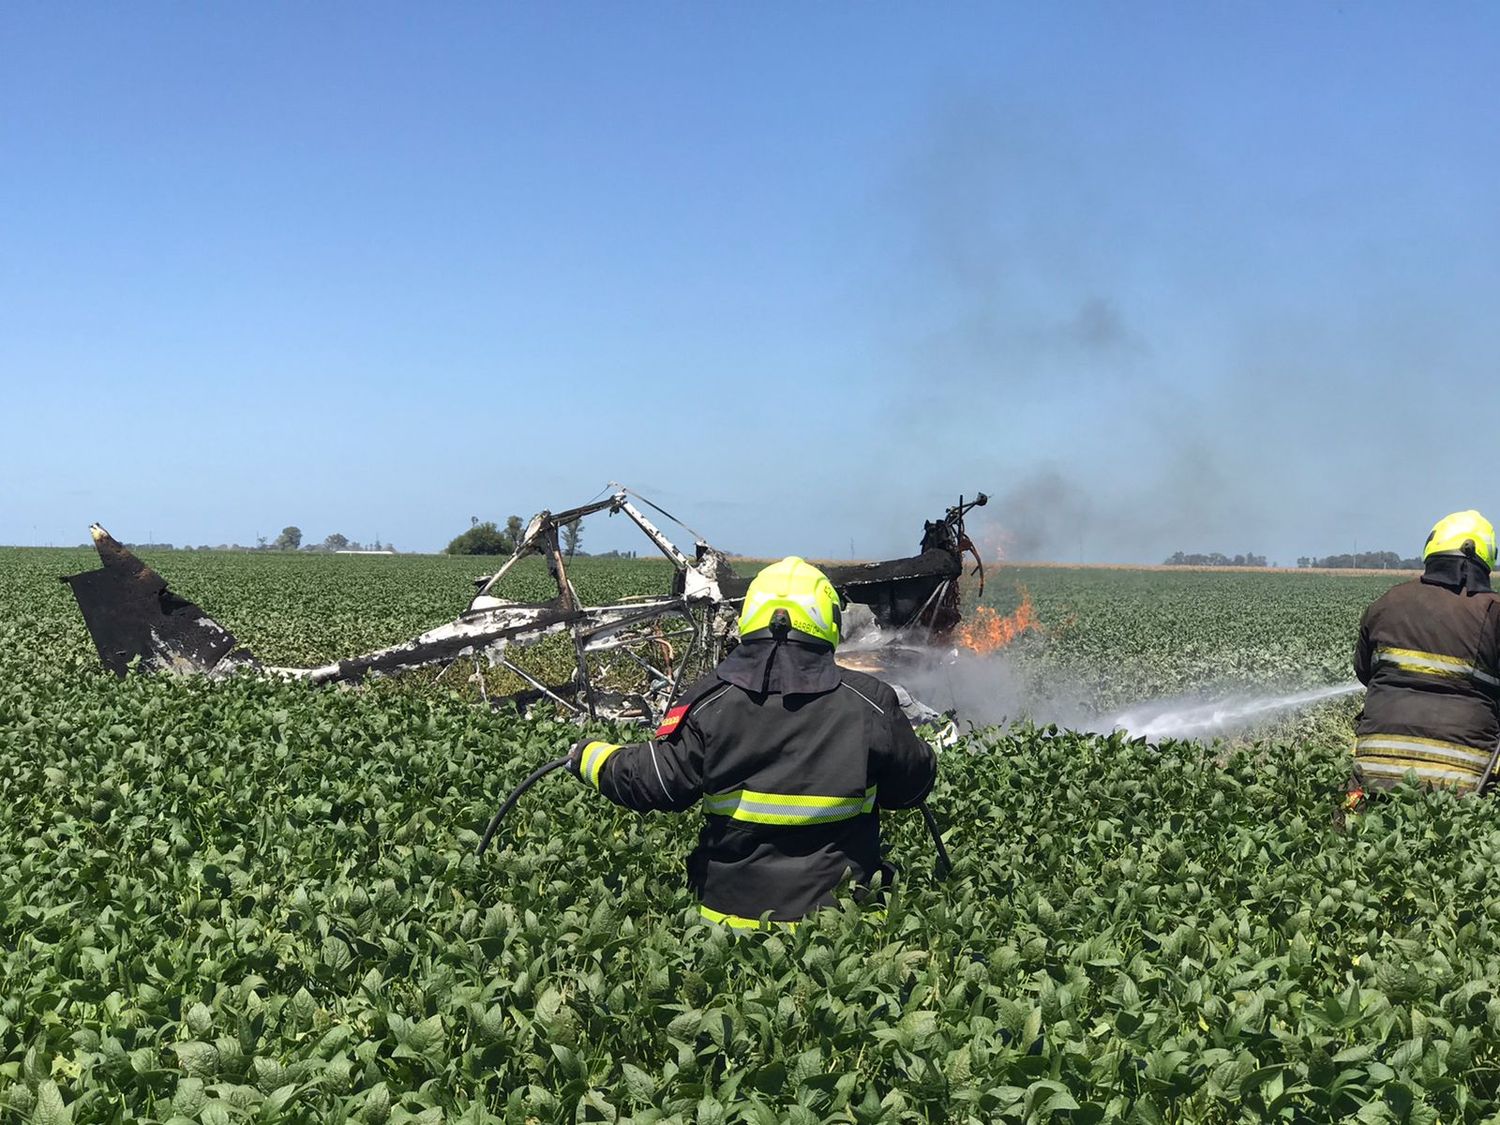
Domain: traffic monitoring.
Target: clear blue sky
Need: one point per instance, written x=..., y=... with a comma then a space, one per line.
x=1155, y=276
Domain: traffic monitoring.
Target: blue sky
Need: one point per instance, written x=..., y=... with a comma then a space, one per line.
x=1156, y=276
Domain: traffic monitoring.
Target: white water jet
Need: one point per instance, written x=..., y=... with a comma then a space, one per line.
x=1196, y=717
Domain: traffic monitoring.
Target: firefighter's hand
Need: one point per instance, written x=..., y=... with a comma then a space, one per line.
x=587, y=758
x=575, y=758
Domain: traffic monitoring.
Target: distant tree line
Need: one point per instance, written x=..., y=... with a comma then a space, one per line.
x=340, y=542
x=290, y=539
x=1364, y=560
x=486, y=538
x=1215, y=559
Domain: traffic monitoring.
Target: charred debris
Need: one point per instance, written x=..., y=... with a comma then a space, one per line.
x=631, y=657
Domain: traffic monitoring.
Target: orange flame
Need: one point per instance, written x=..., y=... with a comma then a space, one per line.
x=989, y=632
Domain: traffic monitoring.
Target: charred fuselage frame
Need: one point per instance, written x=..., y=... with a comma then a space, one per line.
x=631, y=658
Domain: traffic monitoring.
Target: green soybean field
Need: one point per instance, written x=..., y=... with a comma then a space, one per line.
x=254, y=900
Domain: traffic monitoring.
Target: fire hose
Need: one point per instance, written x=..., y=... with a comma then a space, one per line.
x=1489, y=772
x=945, y=865
x=515, y=795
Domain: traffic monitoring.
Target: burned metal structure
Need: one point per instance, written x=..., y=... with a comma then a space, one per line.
x=630, y=659
x=131, y=614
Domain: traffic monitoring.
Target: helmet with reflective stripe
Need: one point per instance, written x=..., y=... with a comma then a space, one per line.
x=1466, y=532
x=798, y=590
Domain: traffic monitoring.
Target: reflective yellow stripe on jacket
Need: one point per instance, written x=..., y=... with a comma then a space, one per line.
x=1433, y=761
x=595, y=754
x=786, y=808
x=741, y=923
x=1433, y=664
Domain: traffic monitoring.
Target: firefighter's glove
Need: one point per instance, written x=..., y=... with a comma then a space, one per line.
x=575, y=758
x=586, y=759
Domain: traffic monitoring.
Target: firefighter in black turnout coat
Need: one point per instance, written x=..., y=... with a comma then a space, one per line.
x=1429, y=655
x=791, y=755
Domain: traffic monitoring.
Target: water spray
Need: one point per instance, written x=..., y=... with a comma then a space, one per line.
x=1197, y=718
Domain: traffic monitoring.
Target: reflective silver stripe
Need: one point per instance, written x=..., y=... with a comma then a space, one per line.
x=1424, y=773
x=1464, y=755
x=659, y=779
x=595, y=754
x=863, y=696
x=712, y=697
x=1432, y=664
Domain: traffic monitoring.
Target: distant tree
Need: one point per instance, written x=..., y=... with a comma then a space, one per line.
x=260, y=543
x=289, y=539
x=483, y=539
x=572, y=536
x=1216, y=558
x=514, y=530
x=1366, y=560
x=336, y=542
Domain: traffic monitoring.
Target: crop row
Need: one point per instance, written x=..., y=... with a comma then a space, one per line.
x=259, y=901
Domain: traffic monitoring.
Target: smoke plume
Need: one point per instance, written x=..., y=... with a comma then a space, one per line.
x=1131, y=382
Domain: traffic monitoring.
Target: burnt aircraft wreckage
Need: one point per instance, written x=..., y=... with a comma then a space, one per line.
x=631, y=658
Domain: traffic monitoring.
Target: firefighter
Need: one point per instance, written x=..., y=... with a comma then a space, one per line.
x=791, y=755
x=1429, y=655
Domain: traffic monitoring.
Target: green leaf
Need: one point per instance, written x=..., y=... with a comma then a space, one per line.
x=640, y=1085
x=201, y=1060
x=377, y=1105
x=278, y=1100
x=1057, y=1103
x=807, y=1065
x=49, y=1108
x=190, y=1097
x=303, y=1008
x=200, y=1020
x=686, y=1025
x=571, y=1064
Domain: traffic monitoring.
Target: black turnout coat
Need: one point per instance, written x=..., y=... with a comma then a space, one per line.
x=792, y=758
x=1429, y=655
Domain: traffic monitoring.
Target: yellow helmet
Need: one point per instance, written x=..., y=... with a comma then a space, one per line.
x=800, y=590
x=1461, y=530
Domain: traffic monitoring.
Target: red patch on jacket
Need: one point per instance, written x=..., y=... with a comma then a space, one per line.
x=671, y=722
